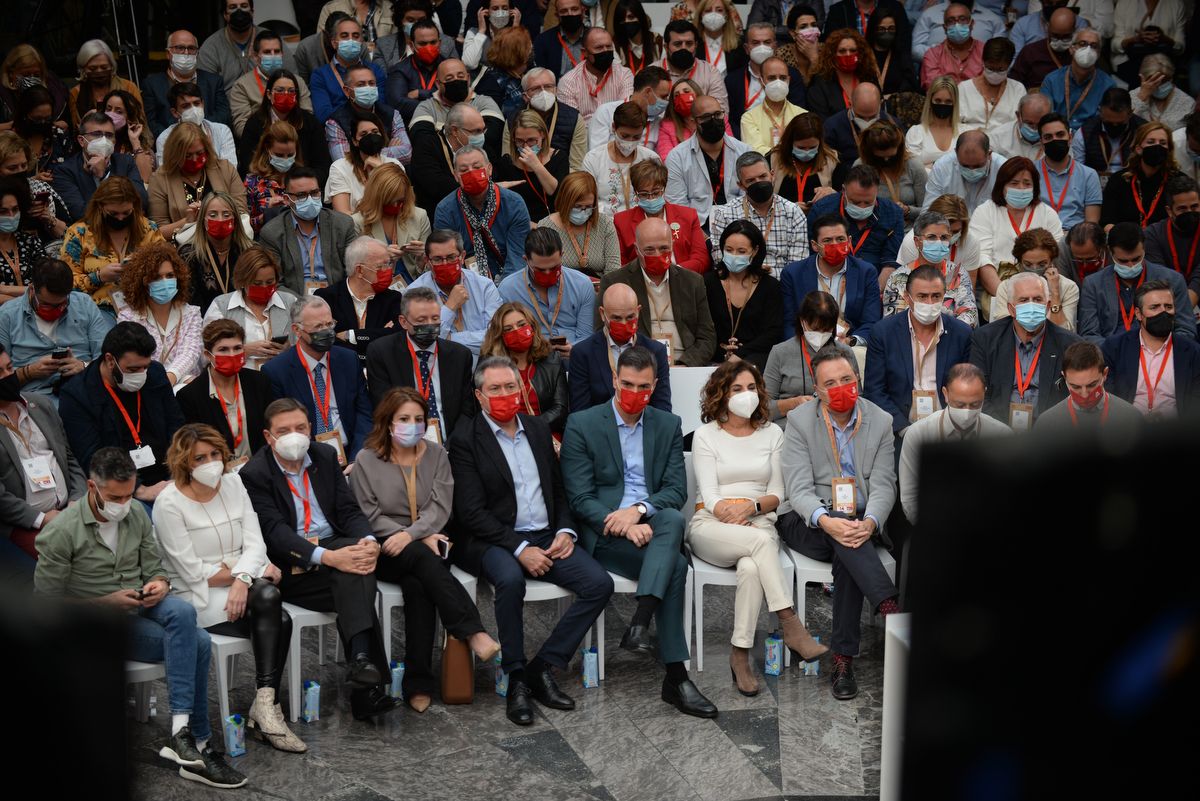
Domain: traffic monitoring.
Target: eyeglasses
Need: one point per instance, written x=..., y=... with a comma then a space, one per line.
x=453, y=258
x=284, y=91
x=716, y=115
x=651, y=195
x=186, y=50
x=296, y=197
x=529, y=143
x=92, y=135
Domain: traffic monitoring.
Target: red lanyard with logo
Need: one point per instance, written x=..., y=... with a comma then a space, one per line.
x=1162, y=368
x=1185, y=270
x=1028, y=220
x=801, y=182
x=303, y=499
x=1023, y=381
x=1057, y=206
x=136, y=431
x=237, y=435
x=1137, y=199
x=321, y=404
x=1127, y=318
x=422, y=387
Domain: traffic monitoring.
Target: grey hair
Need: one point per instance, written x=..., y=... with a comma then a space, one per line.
x=420, y=294
x=749, y=159
x=111, y=464
x=1032, y=97
x=303, y=302
x=926, y=219
x=534, y=73
x=467, y=150
x=358, y=250
x=760, y=26
x=455, y=115
x=92, y=48
x=1022, y=277
x=1157, y=62
x=1085, y=29
x=492, y=363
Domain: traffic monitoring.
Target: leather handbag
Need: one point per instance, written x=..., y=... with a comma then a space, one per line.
x=458, y=672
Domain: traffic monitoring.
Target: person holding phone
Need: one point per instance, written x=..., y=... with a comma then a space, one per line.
x=258, y=304
x=405, y=488
x=1142, y=27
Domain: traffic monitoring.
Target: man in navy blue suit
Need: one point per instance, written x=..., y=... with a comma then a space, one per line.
x=592, y=359
x=874, y=225
x=909, y=354
x=843, y=129
x=832, y=269
x=76, y=178
x=327, y=380
x=560, y=48
x=1148, y=366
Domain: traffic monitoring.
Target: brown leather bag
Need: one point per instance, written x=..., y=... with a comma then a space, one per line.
x=458, y=672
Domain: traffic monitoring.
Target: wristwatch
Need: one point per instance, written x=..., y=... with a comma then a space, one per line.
x=641, y=507
x=1055, y=308
x=245, y=578
x=757, y=508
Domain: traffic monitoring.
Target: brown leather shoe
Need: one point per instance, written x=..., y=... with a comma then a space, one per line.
x=796, y=637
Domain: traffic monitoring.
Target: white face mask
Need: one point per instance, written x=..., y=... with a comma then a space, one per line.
x=760, y=53
x=926, y=313
x=544, y=100
x=1086, y=57
x=817, y=339
x=625, y=148
x=192, y=114
x=963, y=419
x=112, y=511
x=500, y=19
x=713, y=21
x=101, y=147
x=133, y=382
x=777, y=90
x=209, y=474
x=292, y=447
x=183, y=63
x=743, y=404
x=995, y=78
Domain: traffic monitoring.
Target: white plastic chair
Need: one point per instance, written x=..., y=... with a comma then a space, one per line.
x=707, y=573
x=810, y=571
x=141, y=674
x=301, y=619
x=390, y=596
x=225, y=650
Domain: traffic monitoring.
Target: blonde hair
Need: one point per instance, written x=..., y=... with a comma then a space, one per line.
x=940, y=83
x=179, y=454
x=180, y=140
x=11, y=144
x=527, y=119
x=260, y=162
x=387, y=182
x=21, y=57
x=201, y=246
x=729, y=34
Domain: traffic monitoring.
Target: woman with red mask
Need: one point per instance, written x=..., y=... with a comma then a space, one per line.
x=846, y=61
x=543, y=374
x=155, y=287
x=214, y=249
x=241, y=392
x=280, y=103
x=258, y=304
x=189, y=172
x=389, y=212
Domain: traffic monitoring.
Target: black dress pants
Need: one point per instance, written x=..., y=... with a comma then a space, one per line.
x=269, y=628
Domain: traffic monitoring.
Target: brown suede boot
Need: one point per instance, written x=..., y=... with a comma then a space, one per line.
x=796, y=637
x=743, y=676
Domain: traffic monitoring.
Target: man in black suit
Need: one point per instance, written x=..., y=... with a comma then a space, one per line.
x=183, y=48
x=512, y=521
x=363, y=305
x=438, y=368
x=1029, y=342
x=311, y=523
x=76, y=178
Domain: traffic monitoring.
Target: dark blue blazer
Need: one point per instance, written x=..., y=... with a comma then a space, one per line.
x=76, y=185
x=735, y=85
x=547, y=52
x=1121, y=355
x=839, y=134
x=887, y=229
x=289, y=379
x=591, y=378
x=863, y=304
x=889, y=376
x=158, y=109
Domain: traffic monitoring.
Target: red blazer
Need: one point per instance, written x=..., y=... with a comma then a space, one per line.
x=691, y=246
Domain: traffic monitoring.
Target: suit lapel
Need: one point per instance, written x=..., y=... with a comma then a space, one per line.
x=1048, y=370
x=280, y=482
x=488, y=442
x=639, y=287
x=303, y=391
x=680, y=306
x=608, y=424
x=906, y=350
x=943, y=347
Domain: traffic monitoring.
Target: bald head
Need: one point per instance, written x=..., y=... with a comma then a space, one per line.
x=654, y=235
x=704, y=104
x=866, y=100
x=452, y=69
x=619, y=303
x=181, y=38
x=1062, y=22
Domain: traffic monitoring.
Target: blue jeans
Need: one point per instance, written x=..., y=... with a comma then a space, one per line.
x=167, y=632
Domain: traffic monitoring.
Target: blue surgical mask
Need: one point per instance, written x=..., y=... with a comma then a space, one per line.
x=536, y=149
x=349, y=50
x=657, y=109
x=366, y=96
x=476, y=140
x=270, y=63
x=1030, y=316
x=580, y=216
x=958, y=33
x=282, y=163
x=408, y=29
x=859, y=212
x=653, y=206
x=308, y=209
x=972, y=174
x=591, y=4
x=163, y=290
x=1163, y=90
x=736, y=263
x=9, y=225
x=800, y=154
x=1030, y=134
x=955, y=237
x=935, y=252
x=1130, y=272
x=1018, y=198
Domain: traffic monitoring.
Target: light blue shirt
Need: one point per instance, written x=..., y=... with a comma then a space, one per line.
x=316, y=270
x=1053, y=87
x=945, y=179
x=532, y=515
x=1032, y=28
x=634, y=457
x=1083, y=190
x=482, y=301
x=574, y=320
x=82, y=329
x=844, y=437
x=930, y=30
x=320, y=527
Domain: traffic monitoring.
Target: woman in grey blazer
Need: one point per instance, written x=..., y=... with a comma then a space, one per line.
x=788, y=377
x=259, y=304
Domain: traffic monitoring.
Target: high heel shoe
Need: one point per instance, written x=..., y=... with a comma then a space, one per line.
x=419, y=702
x=797, y=638
x=265, y=721
x=489, y=653
x=743, y=676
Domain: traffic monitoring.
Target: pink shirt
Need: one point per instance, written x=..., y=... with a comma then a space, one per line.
x=1164, y=393
x=941, y=61
x=578, y=88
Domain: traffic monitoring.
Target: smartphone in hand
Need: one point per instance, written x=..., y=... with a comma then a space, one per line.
x=280, y=340
x=444, y=548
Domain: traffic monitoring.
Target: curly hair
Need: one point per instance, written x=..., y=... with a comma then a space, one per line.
x=493, y=337
x=142, y=268
x=1035, y=239
x=179, y=454
x=380, y=438
x=867, y=70
x=714, y=398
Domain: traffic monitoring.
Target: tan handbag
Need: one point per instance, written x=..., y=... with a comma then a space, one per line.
x=458, y=672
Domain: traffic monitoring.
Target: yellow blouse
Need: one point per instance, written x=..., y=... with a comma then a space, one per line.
x=81, y=250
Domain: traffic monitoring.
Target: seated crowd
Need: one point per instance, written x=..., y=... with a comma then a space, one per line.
x=240, y=300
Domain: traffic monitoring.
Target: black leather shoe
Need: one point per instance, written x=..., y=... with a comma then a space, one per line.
x=688, y=699
x=363, y=672
x=637, y=639
x=545, y=690
x=366, y=704
x=845, y=686
x=520, y=710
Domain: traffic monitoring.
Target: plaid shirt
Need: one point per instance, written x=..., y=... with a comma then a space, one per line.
x=399, y=148
x=785, y=229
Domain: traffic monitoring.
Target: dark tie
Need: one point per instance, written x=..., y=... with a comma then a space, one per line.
x=427, y=381
x=319, y=382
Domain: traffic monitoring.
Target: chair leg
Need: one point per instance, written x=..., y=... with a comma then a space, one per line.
x=385, y=622
x=321, y=645
x=141, y=694
x=223, y=686
x=790, y=577
x=294, y=689
x=700, y=627
x=600, y=643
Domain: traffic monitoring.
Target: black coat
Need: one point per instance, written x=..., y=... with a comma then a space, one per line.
x=993, y=349
x=390, y=365
x=198, y=407
x=382, y=309
x=550, y=385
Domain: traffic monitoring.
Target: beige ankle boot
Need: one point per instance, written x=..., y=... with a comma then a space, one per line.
x=743, y=675
x=796, y=637
x=266, y=722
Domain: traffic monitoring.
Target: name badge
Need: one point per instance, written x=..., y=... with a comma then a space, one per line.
x=142, y=457
x=433, y=431
x=666, y=343
x=311, y=287
x=1020, y=416
x=38, y=471
x=845, y=496
x=334, y=439
x=924, y=403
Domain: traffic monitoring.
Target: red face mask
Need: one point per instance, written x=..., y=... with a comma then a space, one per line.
x=260, y=294
x=657, y=265
x=383, y=280
x=392, y=209
x=503, y=408
x=836, y=252
x=843, y=398
x=632, y=401
x=50, y=313
x=283, y=104
x=427, y=53
x=1089, y=400
x=519, y=340
x=622, y=331
x=226, y=364
x=447, y=275
x=474, y=182
x=193, y=164
x=847, y=63
x=546, y=278
x=683, y=104
x=219, y=229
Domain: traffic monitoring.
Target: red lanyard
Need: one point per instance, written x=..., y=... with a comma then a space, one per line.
x=600, y=85
x=1057, y=206
x=1028, y=221
x=237, y=435
x=1075, y=420
x=136, y=431
x=1151, y=388
x=808, y=360
x=1137, y=199
x=846, y=97
x=432, y=76
x=1023, y=381
x=691, y=72
x=714, y=60
x=567, y=50
x=801, y=182
x=422, y=387
x=1191, y=262
x=761, y=87
x=1127, y=319
x=854, y=248
x=303, y=499
x=634, y=67
x=321, y=404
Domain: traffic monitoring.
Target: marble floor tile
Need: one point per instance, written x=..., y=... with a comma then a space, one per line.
x=712, y=764
x=632, y=767
x=756, y=734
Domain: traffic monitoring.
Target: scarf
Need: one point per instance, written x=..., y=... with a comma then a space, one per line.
x=479, y=222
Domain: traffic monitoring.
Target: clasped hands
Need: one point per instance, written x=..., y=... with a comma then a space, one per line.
x=851, y=533
x=625, y=523
x=537, y=561
x=358, y=558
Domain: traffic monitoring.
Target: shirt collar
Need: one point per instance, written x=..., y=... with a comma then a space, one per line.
x=849, y=423
x=621, y=421
x=1033, y=342
x=316, y=226
x=650, y=283
x=496, y=429
x=284, y=470
x=237, y=300
x=913, y=331
x=1145, y=347
x=310, y=361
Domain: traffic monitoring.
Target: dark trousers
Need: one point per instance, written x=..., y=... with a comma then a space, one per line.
x=350, y=595
x=579, y=573
x=269, y=628
x=661, y=571
x=429, y=589
x=857, y=573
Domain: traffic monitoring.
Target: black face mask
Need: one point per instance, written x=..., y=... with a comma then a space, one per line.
x=371, y=144
x=10, y=388
x=118, y=223
x=631, y=29
x=456, y=91
x=1160, y=324
x=682, y=59
x=759, y=191
x=1115, y=129
x=603, y=61
x=942, y=110
x=241, y=20
x=1155, y=155
x=1188, y=222
x=884, y=41
x=571, y=23
x=425, y=334
x=322, y=340
x=1057, y=149
x=712, y=131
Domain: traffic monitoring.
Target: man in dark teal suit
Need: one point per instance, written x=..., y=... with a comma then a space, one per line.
x=622, y=467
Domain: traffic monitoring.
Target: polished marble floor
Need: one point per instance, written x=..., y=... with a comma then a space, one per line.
x=622, y=743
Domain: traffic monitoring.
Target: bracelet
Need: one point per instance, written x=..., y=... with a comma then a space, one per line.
x=94, y=275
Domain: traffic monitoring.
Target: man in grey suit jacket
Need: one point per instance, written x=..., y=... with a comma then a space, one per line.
x=290, y=236
x=38, y=473
x=839, y=503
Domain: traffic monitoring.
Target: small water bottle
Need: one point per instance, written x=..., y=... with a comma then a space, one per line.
x=773, y=657
x=812, y=668
x=591, y=668
x=501, y=677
